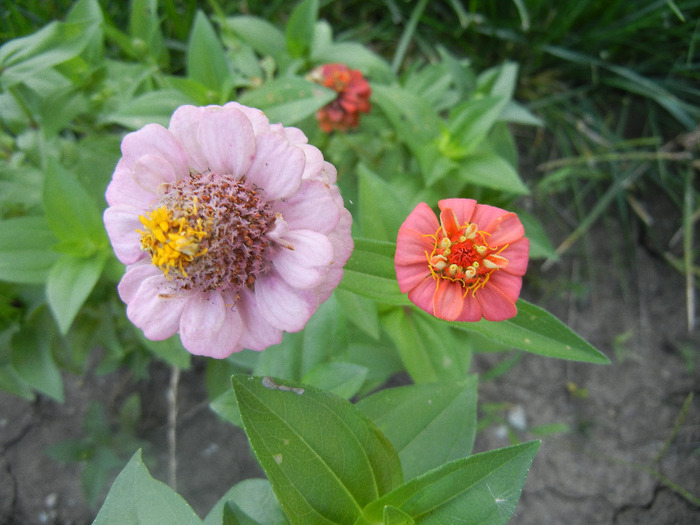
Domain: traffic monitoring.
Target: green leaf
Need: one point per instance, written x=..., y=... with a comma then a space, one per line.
x=341, y=379
x=324, y=458
x=491, y=171
x=360, y=311
x=70, y=211
x=288, y=99
x=144, y=28
x=226, y=407
x=471, y=122
x=169, y=350
x=429, y=350
x=24, y=250
x=414, y=120
x=152, y=107
x=31, y=356
x=70, y=281
x=370, y=272
x=537, y=331
x=479, y=490
x=394, y=516
x=540, y=245
x=137, y=499
x=260, y=34
x=428, y=424
x=254, y=500
x=300, y=28
x=499, y=81
x=381, y=210
x=11, y=382
x=58, y=42
x=206, y=59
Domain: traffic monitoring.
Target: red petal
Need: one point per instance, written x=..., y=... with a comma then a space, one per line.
x=505, y=229
x=448, y=303
x=463, y=208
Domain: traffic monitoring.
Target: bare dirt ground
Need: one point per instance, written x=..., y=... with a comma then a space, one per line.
x=620, y=463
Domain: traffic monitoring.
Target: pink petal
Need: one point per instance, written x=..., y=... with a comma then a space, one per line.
x=471, y=309
x=210, y=327
x=258, y=333
x=411, y=247
x=422, y=220
x=307, y=264
x=448, y=220
x=121, y=223
x=256, y=117
x=325, y=289
x=505, y=229
x=151, y=172
x=447, y=302
x=463, y=208
x=154, y=139
x=134, y=276
x=422, y=294
x=155, y=308
x=312, y=207
x=518, y=256
x=283, y=306
x=341, y=238
x=227, y=141
x=123, y=189
x=411, y=275
x=184, y=126
x=507, y=283
x=277, y=166
x=495, y=305
x=484, y=215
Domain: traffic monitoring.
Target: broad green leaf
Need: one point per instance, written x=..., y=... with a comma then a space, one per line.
x=71, y=212
x=499, y=81
x=11, y=382
x=370, y=272
x=260, y=34
x=479, y=490
x=341, y=379
x=144, y=28
x=300, y=28
x=70, y=281
x=137, y=499
x=491, y=171
x=324, y=458
x=25, y=256
x=226, y=406
x=428, y=424
x=381, y=211
x=394, y=516
x=254, y=499
x=152, y=107
x=169, y=350
x=324, y=336
x=429, y=350
x=288, y=99
x=58, y=42
x=360, y=311
x=206, y=59
x=540, y=245
x=32, y=358
x=537, y=331
x=414, y=120
x=471, y=121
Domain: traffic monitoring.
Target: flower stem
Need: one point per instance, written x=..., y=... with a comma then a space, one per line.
x=172, y=426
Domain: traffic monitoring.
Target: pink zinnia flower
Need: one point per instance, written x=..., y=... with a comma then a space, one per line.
x=232, y=229
x=468, y=266
x=353, y=97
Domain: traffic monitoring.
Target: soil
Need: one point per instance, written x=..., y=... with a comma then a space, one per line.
x=621, y=462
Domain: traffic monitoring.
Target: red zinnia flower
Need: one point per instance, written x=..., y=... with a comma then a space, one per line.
x=468, y=266
x=353, y=96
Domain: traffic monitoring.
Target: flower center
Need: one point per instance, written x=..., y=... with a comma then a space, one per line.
x=207, y=232
x=464, y=256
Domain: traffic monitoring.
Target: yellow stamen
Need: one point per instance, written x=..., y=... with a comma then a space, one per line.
x=172, y=242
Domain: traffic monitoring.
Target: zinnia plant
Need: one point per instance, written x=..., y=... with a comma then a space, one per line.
x=232, y=229
x=467, y=266
x=353, y=91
